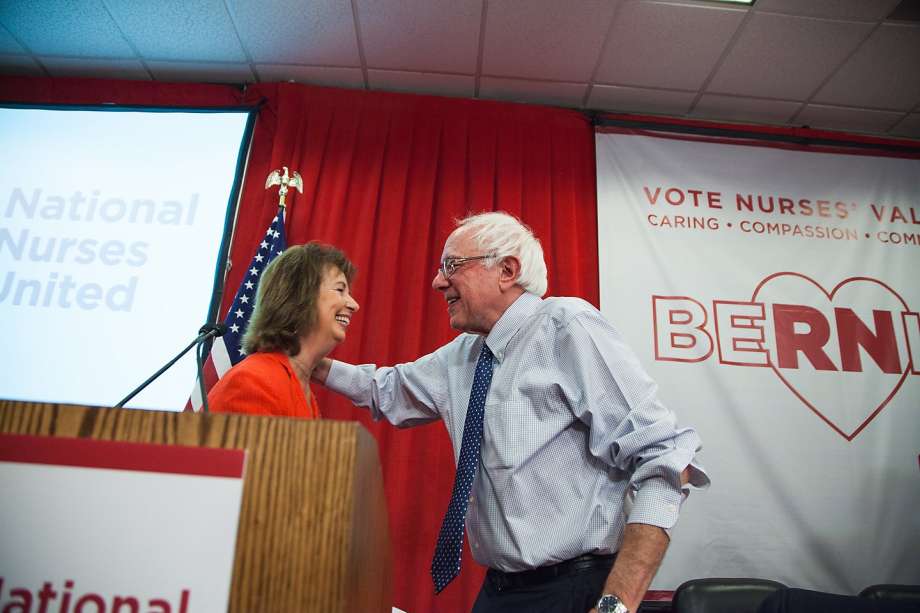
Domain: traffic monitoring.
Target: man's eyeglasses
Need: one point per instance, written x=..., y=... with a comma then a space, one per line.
x=450, y=265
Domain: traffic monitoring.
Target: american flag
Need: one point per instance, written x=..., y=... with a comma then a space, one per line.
x=227, y=350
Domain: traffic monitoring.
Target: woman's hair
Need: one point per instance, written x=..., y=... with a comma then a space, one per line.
x=501, y=235
x=285, y=307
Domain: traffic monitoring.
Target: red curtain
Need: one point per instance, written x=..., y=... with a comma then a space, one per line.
x=28, y=90
x=385, y=176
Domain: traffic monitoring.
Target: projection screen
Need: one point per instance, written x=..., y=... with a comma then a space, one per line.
x=112, y=228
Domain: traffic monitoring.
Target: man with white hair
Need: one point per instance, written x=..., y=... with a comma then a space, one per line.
x=555, y=428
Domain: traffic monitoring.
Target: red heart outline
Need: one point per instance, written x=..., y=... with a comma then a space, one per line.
x=830, y=296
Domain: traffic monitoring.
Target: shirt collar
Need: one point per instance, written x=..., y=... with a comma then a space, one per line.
x=510, y=322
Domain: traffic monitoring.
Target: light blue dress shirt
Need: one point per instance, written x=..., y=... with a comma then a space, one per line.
x=573, y=426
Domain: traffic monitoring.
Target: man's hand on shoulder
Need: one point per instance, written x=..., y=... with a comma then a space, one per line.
x=321, y=371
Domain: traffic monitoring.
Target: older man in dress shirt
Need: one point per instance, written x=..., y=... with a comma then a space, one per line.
x=578, y=469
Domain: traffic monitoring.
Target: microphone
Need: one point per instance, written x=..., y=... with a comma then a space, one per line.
x=212, y=331
x=206, y=332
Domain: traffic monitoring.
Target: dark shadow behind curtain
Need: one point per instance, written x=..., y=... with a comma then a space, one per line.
x=385, y=176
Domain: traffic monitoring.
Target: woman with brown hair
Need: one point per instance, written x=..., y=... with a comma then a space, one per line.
x=302, y=310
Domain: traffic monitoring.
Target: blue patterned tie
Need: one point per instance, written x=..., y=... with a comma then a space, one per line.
x=446, y=563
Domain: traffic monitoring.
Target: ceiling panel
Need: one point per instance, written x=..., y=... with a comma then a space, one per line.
x=908, y=127
x=8, y=44
x=865, y=10
x=314, y=75
x=545, y=39
x=854, y=120
x=199, y=30
x=210, y=72
x=777, y=56
x=422, y=82
x=320, y=32
x=733, y=108
x=77, y=28
x=19, y=66
x=687, y=41
x=685, y=58
x=639, y=100
x=421, y=35
x=883, y=73
x=106, y=69
x=535, y=92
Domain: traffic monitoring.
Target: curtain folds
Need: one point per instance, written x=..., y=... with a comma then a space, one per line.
x=385, y=176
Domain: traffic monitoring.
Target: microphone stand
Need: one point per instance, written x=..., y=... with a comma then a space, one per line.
x=204, y=346
x=206, y=332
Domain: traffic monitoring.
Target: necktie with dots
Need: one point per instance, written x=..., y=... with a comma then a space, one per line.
x=446, y=563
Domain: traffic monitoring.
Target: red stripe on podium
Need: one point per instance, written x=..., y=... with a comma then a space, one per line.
x=118, y=455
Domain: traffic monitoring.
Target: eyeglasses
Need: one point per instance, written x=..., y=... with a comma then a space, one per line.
x=450, y=265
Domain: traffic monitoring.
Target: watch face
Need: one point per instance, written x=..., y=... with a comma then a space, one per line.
x=610, y=604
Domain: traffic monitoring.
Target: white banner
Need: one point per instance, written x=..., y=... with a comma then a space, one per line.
x=89, y=525
x=773, y=294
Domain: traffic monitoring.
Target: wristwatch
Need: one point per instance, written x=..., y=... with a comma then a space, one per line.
x=609, y=603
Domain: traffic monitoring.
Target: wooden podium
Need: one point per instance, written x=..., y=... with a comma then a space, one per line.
x=313, y=532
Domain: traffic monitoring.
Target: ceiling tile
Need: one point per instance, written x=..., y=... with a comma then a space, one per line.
x=422, y=83
x=102, y=69
x=883, y=73
x=777, y=56
x=313, y=75
x=211, y=72
x=19, y=66
x=860, y=10
x=199, y=30
x=534, y=92
x=421, y=35
x=752, y=110
x=8, y=44
x=638, y=100
x=687, y=41
x=909, y=126
x=320, y=32
x=78, y=28
x=545, y=39
x=848, y=119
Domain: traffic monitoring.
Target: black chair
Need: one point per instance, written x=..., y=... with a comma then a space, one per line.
x=722, y=595
x=891, y=591
x=797, y=600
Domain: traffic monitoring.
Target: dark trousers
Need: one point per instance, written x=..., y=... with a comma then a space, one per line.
x=794, y=600
x=574, y=587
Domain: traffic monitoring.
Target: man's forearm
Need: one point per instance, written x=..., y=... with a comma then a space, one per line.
x=637, y=562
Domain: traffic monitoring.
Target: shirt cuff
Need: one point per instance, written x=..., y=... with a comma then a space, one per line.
x=342, y=378
x=657, y=503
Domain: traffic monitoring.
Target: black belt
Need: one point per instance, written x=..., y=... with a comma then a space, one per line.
x=528, y=578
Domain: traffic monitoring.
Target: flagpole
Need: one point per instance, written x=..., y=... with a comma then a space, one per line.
x=227, y=350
